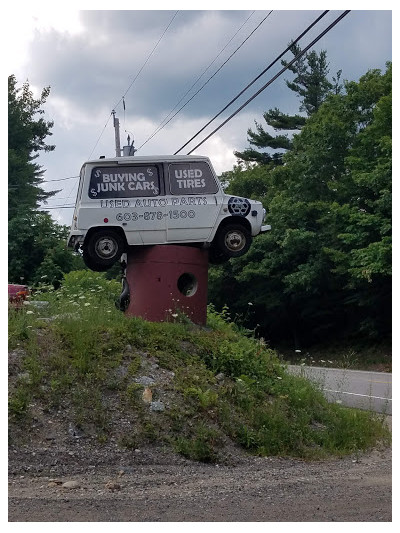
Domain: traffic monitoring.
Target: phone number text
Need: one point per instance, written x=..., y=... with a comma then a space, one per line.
x=155, y=215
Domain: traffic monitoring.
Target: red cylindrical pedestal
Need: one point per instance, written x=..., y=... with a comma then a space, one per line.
x=165, y=280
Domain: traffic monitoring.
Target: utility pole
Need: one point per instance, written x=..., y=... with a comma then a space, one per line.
x=117, y=137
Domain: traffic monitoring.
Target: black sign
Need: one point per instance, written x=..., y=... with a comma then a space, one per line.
x=124, y=182
x=191, y=178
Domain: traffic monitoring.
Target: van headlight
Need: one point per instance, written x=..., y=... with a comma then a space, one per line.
x=264, y=214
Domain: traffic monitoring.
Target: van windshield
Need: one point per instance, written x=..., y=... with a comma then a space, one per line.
x=124, y=182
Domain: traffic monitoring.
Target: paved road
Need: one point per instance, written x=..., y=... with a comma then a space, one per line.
x=354, y=388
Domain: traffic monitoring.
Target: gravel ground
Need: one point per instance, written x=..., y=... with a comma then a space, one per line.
x=76, y=483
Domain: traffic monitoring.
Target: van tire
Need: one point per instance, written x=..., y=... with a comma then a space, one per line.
x=102, y=249
x=91, y=264
x=233, y=240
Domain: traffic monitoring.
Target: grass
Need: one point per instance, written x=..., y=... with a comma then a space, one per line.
x=354, y=357
x=219, y=385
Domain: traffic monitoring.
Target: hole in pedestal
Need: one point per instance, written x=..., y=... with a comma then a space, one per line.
x=187, y=284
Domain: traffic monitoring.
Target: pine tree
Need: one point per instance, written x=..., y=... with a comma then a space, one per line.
x=26, y=138
x=312, y=86
x=36, y=244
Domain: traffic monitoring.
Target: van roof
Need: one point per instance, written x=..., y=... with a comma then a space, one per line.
x=149, y=159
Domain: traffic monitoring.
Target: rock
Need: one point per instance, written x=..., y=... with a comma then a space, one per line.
x=147, y=395
x=120, y=372
x=71, y=485
x=75, y=431
x=25, y=376
x=157, y=406
x=113, y=486
x=145, y=380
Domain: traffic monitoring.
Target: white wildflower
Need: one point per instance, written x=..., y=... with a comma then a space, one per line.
x=29, y=312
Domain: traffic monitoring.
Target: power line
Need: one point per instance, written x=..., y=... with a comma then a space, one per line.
x=70, y=194
x=274, y=78
x=255, y=79
x=57, y=207
x=61, y=179
x=100, y=136
x=158, y=129
x=135, y=78
x=60, y=197
x=199, y=78
x=145, y=63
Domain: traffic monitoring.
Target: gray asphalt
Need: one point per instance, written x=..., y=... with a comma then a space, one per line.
x=353, y=388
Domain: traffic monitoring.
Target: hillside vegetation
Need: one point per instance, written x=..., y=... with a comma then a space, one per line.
x=200, y=391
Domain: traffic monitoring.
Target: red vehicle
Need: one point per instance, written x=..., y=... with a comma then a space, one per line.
x=17, y=294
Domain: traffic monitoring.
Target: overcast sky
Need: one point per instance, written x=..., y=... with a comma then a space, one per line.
x=93, y=58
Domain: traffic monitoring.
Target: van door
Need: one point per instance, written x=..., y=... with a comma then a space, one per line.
x=131, y=196
x=192, y=201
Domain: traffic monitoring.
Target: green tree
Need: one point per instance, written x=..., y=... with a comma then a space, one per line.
x=36, y=244
x=27, y=131
x=37, y=250
x=325, y=268
x=311, y=84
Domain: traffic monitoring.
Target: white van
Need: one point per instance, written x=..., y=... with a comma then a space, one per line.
x=140, y=201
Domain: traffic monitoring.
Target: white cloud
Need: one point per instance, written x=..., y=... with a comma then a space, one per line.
x=91, y=58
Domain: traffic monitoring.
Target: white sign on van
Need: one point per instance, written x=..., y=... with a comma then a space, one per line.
x=191, y=178
x=123, y=182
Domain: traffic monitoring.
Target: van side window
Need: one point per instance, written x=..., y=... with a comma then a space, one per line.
x=124, y=182
x=191, y=178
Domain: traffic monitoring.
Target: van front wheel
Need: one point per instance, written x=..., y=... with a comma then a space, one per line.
x=104, y=248
x=234, y=240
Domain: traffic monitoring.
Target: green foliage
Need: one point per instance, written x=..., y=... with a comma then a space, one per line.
x=19, y=327
x=37, y=250
x=311, y=84
x=83, y=282
x=36, y=244
x=311, y=79
x=324, y=270
x=82, y=356
x=18, y=403
x=200, y=446
x=26, y=137
x=206, y=399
